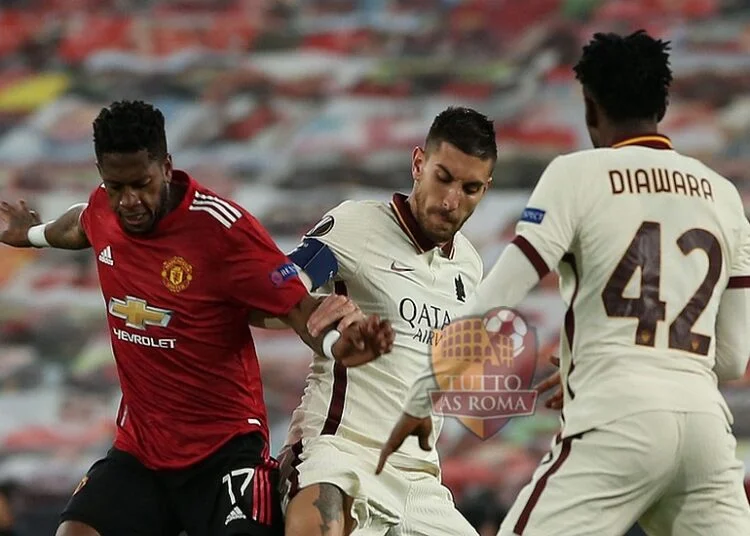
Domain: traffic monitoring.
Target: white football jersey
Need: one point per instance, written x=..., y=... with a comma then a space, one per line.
x=388, y=267
x=645, y=240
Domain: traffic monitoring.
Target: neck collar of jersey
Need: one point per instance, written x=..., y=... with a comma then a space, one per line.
x=653, y=141
x=409, y=224
x=182, y=178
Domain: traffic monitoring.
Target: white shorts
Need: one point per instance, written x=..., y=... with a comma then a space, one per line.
x=677, y=474
x=397, y=502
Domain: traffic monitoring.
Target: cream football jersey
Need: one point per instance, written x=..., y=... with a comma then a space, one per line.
x=645, y=240
x=388, y=267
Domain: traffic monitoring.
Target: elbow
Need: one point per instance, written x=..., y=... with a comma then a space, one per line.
x=738, y=371
x=733, y=369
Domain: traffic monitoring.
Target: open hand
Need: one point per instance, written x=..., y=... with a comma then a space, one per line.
x=406, y=426
x=19, y=218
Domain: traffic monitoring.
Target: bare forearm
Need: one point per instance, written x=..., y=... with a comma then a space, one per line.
x=66, y=231
x=297, y=319
x=259, y=319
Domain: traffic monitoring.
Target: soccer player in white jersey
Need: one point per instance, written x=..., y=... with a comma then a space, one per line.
x=653, y=250
x=408, y=261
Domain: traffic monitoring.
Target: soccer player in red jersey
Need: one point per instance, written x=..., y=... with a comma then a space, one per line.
x=181, y=272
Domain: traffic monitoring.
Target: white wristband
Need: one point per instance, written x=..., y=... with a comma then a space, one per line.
x=37, y=237
x=328, y=341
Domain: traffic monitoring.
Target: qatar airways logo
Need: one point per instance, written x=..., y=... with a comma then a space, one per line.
x=423, y=318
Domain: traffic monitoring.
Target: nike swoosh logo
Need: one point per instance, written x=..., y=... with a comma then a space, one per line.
x=397, y=268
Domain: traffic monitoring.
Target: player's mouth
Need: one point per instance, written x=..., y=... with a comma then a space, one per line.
x=134, y=220
x=445, y=219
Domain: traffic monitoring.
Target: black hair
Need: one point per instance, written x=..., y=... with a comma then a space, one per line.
x=129, y=127
x=466, y=129
x=628, y=76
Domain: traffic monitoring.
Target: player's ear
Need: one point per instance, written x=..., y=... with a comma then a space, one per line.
x=168, y=167
x=417, y=162
x=592, y=112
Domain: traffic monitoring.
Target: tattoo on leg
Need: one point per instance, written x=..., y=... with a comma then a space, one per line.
x=330, y=505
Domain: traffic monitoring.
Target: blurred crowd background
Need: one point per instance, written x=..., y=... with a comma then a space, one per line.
x=290, y=107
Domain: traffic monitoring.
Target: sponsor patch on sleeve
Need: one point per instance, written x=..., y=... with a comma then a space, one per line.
x=532, y=215
x=283, y=273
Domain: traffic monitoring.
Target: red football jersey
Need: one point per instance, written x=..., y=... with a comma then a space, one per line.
x=177, y=305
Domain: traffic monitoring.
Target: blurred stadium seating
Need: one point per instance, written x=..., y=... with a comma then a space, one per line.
x=290, y=107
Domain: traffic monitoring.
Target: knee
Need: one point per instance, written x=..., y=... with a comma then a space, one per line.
x=301, y=519
x=300, y=523
x=75, y=528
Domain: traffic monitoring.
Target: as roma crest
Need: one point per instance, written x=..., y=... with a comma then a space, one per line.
x=176, y=273
x=484, y=367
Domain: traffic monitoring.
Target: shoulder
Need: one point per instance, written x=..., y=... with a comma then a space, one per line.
x=350, y=216
x=564, y=168
x=357, y=209
x=96, y=209
x=569, y=176
x=216, y=212
x=98, y=196
x=723, y=186
x=574, y=160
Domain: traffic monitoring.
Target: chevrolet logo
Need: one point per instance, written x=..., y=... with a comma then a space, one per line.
x=137, y=314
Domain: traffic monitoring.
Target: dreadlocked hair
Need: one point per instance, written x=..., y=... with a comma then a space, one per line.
x=129, y=127
x=628, y=76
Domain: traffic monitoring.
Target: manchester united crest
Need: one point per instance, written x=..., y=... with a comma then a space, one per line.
x=176, y=273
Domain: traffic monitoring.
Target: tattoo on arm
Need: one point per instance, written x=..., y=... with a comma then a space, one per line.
x=330, y=505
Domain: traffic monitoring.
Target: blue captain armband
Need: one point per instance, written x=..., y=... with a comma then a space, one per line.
x=315, y=259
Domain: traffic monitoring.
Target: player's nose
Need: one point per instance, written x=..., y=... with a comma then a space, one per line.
x=452, y=199
x=129, y=199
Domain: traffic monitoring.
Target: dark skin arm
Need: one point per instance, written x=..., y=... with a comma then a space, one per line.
x=63, y=233
x=331, y=308
x=360, y=343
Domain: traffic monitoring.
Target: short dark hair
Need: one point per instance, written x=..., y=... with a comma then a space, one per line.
x=466, y=129
x=628, y=76
x=129, y=127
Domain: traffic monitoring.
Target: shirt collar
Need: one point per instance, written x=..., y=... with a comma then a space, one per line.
x=654, y=141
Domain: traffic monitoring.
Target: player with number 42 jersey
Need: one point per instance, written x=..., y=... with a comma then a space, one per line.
x=653, y=252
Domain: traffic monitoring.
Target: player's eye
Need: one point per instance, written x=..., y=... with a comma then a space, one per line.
x=472, y=189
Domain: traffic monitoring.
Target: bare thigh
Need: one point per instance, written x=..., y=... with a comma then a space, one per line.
x=319, y=510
